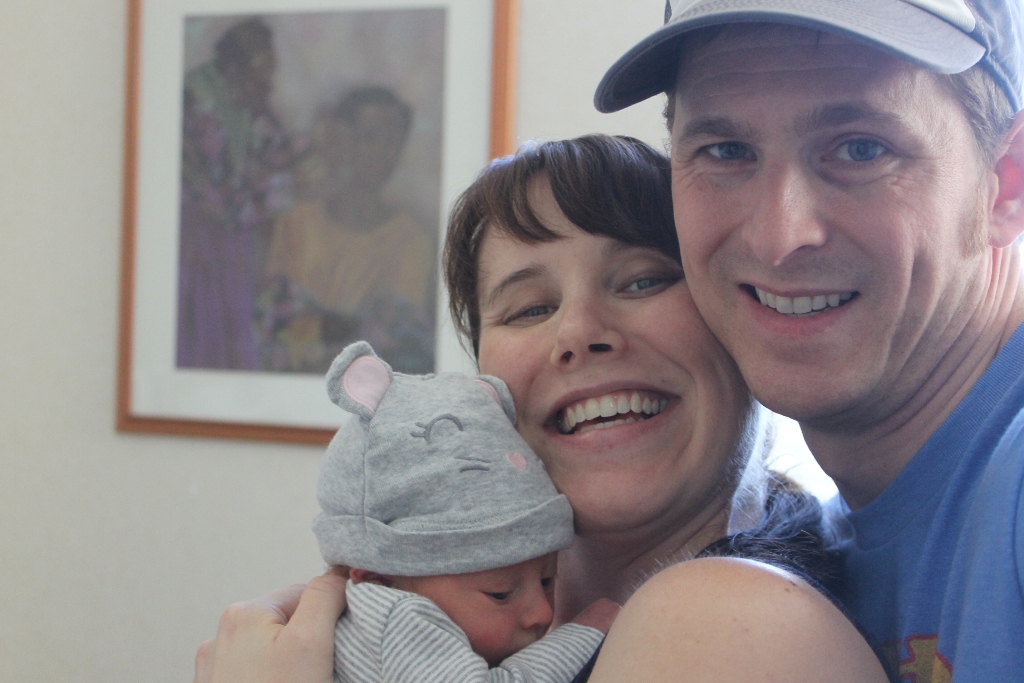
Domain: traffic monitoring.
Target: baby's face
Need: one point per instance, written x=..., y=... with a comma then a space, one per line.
x=501, y=610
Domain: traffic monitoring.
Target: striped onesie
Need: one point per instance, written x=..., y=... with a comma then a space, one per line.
x=394, y=636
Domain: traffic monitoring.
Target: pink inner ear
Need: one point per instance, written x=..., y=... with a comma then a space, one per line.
x=366, y=381
x=490, y=390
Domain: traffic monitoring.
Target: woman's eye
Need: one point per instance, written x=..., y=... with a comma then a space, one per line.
x=530, y=314
x=500, y=597
x=730, y=151
x=860, y=150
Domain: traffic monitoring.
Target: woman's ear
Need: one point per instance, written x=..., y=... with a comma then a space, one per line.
x=361, y=575
x=1006, y=222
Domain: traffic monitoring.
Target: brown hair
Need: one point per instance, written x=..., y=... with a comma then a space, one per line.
x=612, y=186
x=243, y=41
x=987, y=107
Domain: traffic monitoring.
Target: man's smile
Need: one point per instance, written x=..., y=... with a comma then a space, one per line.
x=800, y=305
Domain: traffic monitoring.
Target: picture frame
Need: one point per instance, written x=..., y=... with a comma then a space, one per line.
x=161, y=388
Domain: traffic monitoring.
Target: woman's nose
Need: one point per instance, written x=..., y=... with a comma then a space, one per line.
x=583, y=331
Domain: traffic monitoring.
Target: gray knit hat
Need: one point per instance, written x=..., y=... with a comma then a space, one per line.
x=430, y=476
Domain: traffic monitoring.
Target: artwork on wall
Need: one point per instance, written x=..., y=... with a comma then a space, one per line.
x=287, y=173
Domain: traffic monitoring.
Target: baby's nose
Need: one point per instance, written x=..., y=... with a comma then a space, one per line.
x=539, y=612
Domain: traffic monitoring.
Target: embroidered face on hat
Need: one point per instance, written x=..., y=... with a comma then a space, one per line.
x=430, y=475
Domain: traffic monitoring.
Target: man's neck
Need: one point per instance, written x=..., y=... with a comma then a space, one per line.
x=865, y=458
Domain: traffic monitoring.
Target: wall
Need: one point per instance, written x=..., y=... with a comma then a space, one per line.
x=118, y=552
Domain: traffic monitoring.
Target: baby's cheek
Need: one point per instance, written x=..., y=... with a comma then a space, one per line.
x=494, y=639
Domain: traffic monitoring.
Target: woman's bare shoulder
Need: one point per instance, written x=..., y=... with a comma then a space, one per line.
x=724, y=619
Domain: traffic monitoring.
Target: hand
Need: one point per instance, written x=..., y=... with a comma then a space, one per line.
x=600, y=615
x=285, y=637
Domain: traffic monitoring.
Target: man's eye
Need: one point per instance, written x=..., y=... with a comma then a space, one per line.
x=500, y=597
x=645, y=283
x=860, y=150
x=730, y=151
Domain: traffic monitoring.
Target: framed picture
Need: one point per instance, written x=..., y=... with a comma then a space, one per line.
x=288, y=168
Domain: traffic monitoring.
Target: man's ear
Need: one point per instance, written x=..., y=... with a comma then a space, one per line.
x=361, y=575
x=1007, y=218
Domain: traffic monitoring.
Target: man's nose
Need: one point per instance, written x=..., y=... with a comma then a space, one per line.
x=784, y=217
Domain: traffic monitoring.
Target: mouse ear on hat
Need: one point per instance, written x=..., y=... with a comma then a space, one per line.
x=358, y=380
x=498, y=390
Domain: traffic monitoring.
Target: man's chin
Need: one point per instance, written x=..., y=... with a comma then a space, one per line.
x=808, y=400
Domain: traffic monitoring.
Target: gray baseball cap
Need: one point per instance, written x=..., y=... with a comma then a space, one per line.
x=946, y=36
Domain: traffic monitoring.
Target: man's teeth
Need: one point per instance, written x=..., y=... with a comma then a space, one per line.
x=799, y=305
x=610, y=406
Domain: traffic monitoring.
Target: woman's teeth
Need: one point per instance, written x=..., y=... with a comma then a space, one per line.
x=800, y=305
x=634, y=406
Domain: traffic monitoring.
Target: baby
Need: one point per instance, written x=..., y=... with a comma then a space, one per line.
x=450, y=526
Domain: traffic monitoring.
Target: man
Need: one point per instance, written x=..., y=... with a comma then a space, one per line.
x=849, y=220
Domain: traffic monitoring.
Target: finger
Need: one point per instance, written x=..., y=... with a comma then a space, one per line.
x=320, y=606
x=203, y=655
x=282, y=602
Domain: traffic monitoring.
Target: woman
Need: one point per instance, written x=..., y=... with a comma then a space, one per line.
x=564, y=274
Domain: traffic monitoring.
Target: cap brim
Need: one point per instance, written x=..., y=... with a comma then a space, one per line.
x=650, y=67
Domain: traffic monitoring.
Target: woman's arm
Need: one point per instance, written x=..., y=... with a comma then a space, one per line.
x=285, y=637
x=728, y=619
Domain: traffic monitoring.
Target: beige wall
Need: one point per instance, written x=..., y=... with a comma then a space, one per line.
x=118, y=552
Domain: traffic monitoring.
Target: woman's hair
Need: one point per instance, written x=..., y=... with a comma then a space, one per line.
x=613, y=186
x=793, y=533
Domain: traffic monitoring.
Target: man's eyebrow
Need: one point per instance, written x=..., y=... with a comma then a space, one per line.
x=509, y=280
x=829, y=116
x=715, y=127
x=835, y=115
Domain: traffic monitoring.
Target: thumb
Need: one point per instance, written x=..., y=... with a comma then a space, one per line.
x=600, y=615
x=319, y=608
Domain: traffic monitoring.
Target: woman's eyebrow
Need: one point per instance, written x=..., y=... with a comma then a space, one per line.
x=511, y=279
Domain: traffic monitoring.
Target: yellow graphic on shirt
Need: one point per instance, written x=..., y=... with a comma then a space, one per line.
x=923, y=663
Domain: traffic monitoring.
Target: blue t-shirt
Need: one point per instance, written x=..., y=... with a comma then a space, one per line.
x=934, y=573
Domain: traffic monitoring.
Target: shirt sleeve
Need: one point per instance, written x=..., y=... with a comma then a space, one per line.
x=422, y=645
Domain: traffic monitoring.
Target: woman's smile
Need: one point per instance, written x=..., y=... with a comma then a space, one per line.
x=608, y=409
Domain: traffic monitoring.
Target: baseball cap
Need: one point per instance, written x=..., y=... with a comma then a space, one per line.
x=946, y=36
